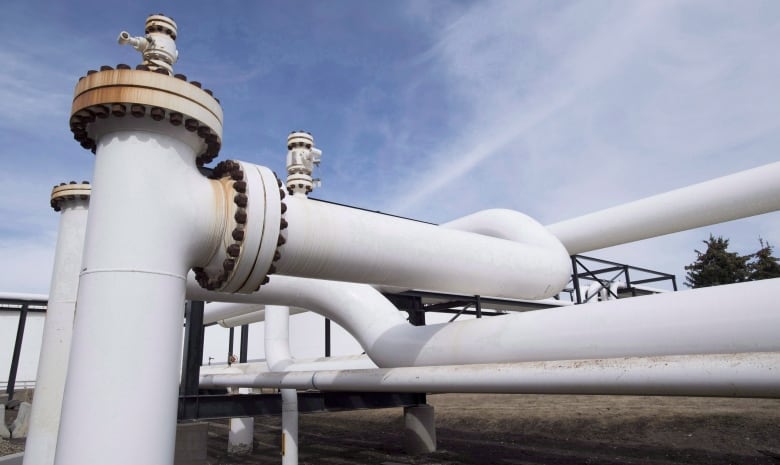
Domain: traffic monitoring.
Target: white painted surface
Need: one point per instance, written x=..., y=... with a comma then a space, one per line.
x=57, y=333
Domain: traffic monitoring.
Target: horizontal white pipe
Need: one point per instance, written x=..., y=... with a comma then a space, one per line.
x=23, y=297
x=217, y=311
x=253, y=317
x=734, y=318
x=739, y=195
x=327, y=241
x=728, y=375
x=345, y=362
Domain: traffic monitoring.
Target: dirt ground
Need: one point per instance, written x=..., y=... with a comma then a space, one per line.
x=527, y=429
x=534, y=429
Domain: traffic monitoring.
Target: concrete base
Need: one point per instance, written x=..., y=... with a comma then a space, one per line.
x=21, y=425
x=4, y=432
x=419, y=429
x=13, y=459
x=241, y=436
x=191, y=440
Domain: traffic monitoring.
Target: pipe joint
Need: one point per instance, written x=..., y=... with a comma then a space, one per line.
x=66, y=195
x=253, y=231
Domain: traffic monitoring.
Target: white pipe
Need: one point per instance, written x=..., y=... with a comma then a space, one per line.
x=739, y=195
x=327, y=241
x=733, y=318
x=58, y=326
x=217, y=311
x=727, y=375
x=142, y=237
x=344, y=362
x=23, y=296
x=253, y=317
x=279, y=357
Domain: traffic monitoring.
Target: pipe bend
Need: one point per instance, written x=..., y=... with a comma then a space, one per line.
x=518, y=227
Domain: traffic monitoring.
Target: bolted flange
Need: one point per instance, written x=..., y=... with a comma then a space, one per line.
x=251, y=235
x=68, y=192
x=123, y=93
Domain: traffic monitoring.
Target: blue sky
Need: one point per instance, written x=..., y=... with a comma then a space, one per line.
x=431, y=110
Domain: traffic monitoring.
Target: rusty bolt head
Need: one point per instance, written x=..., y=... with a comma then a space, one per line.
x=240, y=186
x=122, y=66
x=283, y=224
x=234, y=250
x=237, y=174
x=284, y=207
x=157, y=113
x=266, y=280
x=176, y=118
x=240, y=217
x=118, y=110
x=238, y=234
x=228, y=264
x=137, y=110
x=241, y=200
x=196, y=84
x=277, y=255
x=281, y=241
x=142, y=68
x=191, y=124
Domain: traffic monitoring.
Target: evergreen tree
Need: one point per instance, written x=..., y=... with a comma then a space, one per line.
x=717, y=265
x=763, y=265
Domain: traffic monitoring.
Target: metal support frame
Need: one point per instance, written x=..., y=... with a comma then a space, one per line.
x=193, y=348
x=230, y=347
x=327, y=337
x=253, y=405
x=588, y=274
x=17, y=351
x=244, y=350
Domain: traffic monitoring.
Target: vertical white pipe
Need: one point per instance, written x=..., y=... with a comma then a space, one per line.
x=278, y=357
x=142, y=237
x=242, y=432
x=72, y=200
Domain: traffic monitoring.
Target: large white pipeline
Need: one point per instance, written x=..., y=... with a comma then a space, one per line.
x=72, y=200
x=154, y=216
x=735, y=318
x=722, y=375
x=739, y=195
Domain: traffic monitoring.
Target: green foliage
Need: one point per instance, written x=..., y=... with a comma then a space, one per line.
x=718, y=266
x=764, y=265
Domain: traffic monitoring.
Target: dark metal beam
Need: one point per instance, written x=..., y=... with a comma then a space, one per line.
x=252, y=405
x=327, y=337
x=244, y=344
x=17, y=352
x=193, y=348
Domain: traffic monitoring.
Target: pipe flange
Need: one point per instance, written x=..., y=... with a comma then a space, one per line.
x=127, y=93
x=253, y=211
x=64, y=193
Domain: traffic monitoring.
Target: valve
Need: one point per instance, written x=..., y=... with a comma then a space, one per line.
x=158, y=46
x=302, y=157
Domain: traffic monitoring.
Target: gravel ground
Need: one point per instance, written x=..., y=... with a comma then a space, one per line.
x=527, y=429
x=535, y=429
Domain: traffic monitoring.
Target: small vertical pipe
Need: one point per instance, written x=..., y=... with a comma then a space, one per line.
x=327, y=337
x=478, y=305
x=17, y=352
x=242, y=357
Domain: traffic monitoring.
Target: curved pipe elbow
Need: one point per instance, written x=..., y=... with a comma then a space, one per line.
x=554, y=260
